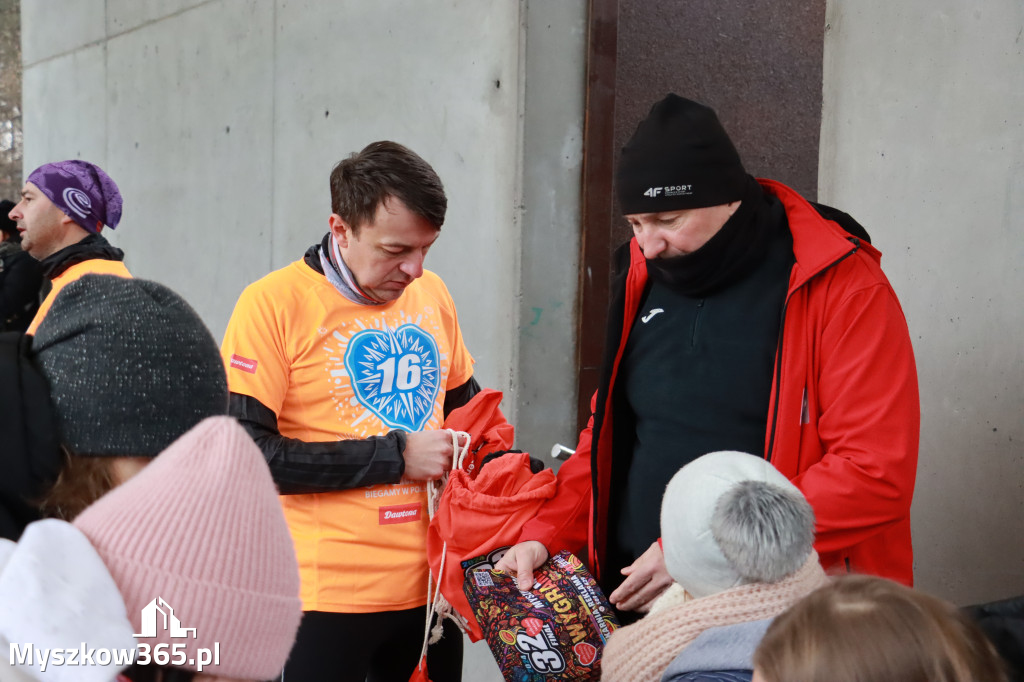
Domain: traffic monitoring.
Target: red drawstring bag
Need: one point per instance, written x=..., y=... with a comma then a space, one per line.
x=481, y=509
x=478, y=515
x=482, y=419
x=420, y=673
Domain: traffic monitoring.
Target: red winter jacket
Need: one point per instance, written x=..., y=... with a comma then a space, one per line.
x=843, y=420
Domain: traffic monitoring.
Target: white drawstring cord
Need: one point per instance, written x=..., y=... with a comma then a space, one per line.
x=438, y=604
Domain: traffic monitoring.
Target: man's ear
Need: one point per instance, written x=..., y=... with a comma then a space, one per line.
x=72, y=227
x=340, y=229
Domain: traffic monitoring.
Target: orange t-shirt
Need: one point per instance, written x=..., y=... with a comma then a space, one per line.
x=94, y=266
x=334, y=370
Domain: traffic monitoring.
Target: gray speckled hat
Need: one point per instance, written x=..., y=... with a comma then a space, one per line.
x=131, y=366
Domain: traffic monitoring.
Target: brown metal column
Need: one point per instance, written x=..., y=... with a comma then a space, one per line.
x=758, y=63
x=598, y=199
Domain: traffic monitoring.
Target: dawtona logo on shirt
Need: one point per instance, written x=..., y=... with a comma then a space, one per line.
x=400, y=513
x=395, y=374
x=244, y=364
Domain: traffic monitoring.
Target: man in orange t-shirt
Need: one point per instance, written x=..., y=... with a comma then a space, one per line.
x=63, y=207
x=343, y=366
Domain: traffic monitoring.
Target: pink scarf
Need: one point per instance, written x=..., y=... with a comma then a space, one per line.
x=642, y=651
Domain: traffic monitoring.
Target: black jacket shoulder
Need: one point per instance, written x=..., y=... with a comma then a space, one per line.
x=845, y=220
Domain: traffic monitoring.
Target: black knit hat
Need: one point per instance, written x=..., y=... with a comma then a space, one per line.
x=6, y=224
x=131, y=366
x=679, y=157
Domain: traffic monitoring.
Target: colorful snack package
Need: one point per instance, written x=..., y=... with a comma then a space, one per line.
x=556, y=631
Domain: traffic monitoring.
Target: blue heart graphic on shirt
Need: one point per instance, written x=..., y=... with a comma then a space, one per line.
x=395, y=374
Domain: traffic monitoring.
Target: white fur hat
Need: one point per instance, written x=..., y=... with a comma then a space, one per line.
x=728, y=519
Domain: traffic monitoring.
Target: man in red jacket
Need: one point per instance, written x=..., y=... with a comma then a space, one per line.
x=742, y=318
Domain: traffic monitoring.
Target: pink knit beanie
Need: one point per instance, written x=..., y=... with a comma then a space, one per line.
x=198, y=540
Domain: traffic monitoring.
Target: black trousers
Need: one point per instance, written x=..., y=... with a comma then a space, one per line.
x=370, y=647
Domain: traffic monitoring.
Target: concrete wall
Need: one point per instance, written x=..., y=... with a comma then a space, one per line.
x=555, y=42
x=923, y=141
x=221, y=120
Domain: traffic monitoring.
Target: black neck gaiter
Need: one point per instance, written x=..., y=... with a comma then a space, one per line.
x=733, y=252
x=92, y=247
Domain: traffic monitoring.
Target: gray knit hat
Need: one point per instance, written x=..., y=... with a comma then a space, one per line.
x=130, y=364
x=729, y=519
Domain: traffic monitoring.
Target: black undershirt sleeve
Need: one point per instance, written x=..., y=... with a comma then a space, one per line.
x=300, y=467
x=460, y=395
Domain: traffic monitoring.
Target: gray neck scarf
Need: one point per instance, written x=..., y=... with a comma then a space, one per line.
x=340, y=276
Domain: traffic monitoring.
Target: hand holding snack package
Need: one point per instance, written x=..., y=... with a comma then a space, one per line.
x=555, y=631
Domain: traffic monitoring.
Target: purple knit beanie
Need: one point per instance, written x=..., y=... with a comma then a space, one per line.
x=198, y=540
x=82, y=191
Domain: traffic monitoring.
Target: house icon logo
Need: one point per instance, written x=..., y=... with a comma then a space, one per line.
x=158, y=614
